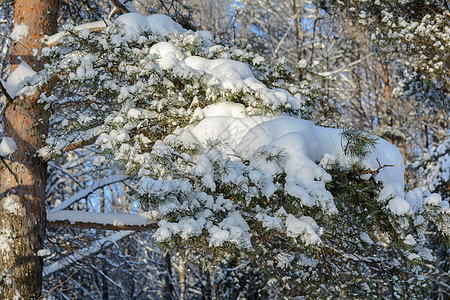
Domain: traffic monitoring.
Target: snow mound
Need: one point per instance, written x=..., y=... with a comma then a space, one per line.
x=301, y=145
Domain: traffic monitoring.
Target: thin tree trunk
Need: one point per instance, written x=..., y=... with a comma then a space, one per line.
x=400, y=143
x=387, y=85
x=168, y=287
x=182, y=274
x=23, y=174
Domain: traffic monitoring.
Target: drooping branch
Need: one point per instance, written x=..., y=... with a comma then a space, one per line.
x=67, y=172
x=126, y=224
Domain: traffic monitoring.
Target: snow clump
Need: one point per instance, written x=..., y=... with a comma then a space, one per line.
x=7, y=146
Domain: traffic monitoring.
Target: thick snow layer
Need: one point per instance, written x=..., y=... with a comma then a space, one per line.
x=230, y=131
x=116, y=219
x=433, y=199
x=7, y=146
x=305, y=227
x=230, y=75
x=160, y=24
x=399, y=206
x=185, y=228
x=236, y=76
x=221, y=109
x=301, y=145
x=270, y=222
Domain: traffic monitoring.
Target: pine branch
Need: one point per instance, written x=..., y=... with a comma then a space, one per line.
x=97, y=26
x=357, y=142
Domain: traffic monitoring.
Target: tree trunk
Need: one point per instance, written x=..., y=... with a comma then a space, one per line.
x=23, y=174
x=182, y=275
x=168, y=286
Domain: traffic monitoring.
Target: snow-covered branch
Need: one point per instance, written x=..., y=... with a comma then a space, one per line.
x=106, y=221
x=70, y=147
x=87, y=191
x=93, y=26
x=96, y=247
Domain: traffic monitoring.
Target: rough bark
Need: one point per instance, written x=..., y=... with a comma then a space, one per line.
x=23, y=174
x=169, y=289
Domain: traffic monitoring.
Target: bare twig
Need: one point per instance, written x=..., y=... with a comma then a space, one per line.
x=347, y=66
x=60, y=284
x=67, y=173
x=375, y=172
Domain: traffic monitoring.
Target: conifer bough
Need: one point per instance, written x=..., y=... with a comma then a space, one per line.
x=227, y=161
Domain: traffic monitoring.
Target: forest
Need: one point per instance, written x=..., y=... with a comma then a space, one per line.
x=224, y=149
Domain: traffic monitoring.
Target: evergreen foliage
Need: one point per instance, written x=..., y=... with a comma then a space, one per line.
x=357, y=143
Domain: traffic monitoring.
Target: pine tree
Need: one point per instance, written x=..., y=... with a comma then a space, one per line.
x=22, y=174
